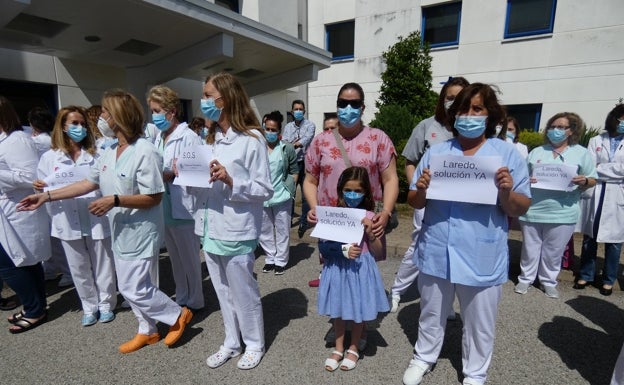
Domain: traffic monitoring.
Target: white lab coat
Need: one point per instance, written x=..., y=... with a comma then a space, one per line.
x=24, y=234
x=611, y=171
x=181, y=138
x=64, y=214
x=235, y=214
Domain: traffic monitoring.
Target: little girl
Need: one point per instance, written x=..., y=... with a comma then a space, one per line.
x=351, y=288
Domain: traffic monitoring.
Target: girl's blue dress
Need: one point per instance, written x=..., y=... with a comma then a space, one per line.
x=351, y=289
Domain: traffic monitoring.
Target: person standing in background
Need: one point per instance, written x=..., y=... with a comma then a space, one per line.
x=300, y=133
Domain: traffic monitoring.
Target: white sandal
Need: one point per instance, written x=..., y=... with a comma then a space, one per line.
x=249, y=360
x=221, y=357
x=332, y=364
x=348, y=364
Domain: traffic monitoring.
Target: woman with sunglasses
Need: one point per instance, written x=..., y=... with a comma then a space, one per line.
x=358, y=145
x=549, y=223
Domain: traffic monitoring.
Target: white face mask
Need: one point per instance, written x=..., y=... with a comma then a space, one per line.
x=448, y=104
x=499, y=128
x=104, y=128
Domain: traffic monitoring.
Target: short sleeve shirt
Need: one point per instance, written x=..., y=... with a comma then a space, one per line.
x=371, y=149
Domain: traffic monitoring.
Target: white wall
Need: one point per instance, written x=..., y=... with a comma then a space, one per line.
x=580, y=67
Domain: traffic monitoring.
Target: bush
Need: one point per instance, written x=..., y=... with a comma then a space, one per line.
x=588, y=134
x=531, y=139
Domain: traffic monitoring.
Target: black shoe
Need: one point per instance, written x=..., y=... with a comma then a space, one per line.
x=580, y=286
x=302, y=228
x=268, y=267
x=605, y=291
x=279, y=270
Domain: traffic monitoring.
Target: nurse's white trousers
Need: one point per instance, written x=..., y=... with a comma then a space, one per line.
x=148, y=303
x=184, y=254
x=93, y=271
x=478, y=306
x=275, y=233
x=543, y=245
x=239, y=299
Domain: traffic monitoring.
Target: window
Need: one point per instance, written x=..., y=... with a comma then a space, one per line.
x=528, y=115
x=232, y=5
x=440, y=24
x=529, y=17
x=340, y=39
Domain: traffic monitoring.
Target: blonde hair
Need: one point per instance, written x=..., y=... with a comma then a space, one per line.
x=166, y=97
x=61, y=141
x=235, y=103
x=93, y=114
x=126, y=112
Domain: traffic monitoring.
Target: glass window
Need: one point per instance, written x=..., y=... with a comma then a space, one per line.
x=529, y=17
x=340, y=39
x=440, y=24
x=528, y=115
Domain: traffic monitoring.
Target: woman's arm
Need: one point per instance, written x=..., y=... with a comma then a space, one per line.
x=103, y=205
x=418, y=198
x=390, y=182
x=310, y=190
x=375, y=246
x=513, y=204
x=73, y=190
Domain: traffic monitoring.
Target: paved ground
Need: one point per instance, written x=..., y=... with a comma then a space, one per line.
x=572, y=340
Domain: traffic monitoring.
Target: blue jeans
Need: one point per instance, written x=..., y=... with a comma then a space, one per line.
x=27, y=282
x=588, y=261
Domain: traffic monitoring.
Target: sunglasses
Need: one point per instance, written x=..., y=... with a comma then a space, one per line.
x=354, y=103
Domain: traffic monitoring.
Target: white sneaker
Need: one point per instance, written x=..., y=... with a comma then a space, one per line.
x=394, y=302
x=521, y=288
x=550, y=291
x=470, y=381
x=125, y=304
x=66, y=281
x=415, y=372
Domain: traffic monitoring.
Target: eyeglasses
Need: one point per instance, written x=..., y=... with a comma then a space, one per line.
x=558, y=127
x=354, y=103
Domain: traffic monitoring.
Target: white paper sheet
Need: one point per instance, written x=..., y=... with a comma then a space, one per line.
x=193, y=167
x=554, y=176
x=65, y=175
x=468, y=179
x=339, y=224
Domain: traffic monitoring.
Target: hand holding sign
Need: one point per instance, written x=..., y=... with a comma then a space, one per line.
x=192, y=167
x=339, y=224
x=553, y=176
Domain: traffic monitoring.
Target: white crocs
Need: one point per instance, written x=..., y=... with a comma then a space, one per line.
x=221, y=357
x=249, y=360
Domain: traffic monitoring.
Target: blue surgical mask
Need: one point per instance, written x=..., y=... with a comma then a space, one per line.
x=76, y=132
x=204, y=132
x=349, y=116
x=470, y=126
x=161, y=122
x=556, y=135
x=210, y=110
x=620, y=127
x=298, y=114
x=353, y=198
x=511, y=135
x=271, y=137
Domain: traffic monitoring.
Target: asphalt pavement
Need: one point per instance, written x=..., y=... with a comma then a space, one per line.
x=571, y=340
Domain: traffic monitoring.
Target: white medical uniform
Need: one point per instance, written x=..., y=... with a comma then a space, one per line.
x=136, y=233
x=85, y=238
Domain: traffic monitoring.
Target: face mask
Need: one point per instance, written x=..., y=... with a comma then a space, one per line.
x=76, y=133
x=210, y=110
x=470, y=126
x=271, y=137
x=448, y=104
x=620, y=127
x=349, y=116
x=511, y=135
x=556, y=135
x=353, y=198
x=107, y=143
x=204, y=132
x=298, y=114
x=104, y=128
x=499, y=128
x=161, y=122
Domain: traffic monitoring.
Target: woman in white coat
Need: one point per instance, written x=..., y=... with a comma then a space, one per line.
x=84, y=236
x=24, y=240
x=182, y=244
x=241, y=182
x=129, y=175
x=602, y=213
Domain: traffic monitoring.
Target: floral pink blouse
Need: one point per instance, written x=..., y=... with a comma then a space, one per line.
x=371, y=149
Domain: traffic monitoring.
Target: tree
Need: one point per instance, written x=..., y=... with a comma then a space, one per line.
x=406, y=80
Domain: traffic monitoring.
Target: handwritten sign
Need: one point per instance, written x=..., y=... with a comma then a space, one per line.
x=339, y=224
x=193, y=166
x=553, y=176
x=468, y=179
